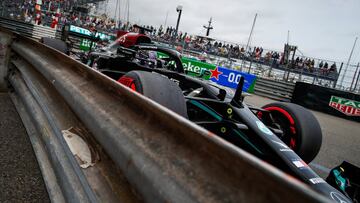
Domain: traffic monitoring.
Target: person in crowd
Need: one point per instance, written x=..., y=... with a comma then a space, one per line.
x=28, y=18
x=268, y=56
x=312, y=64
x=261, y=51
x=54, y=22
x=301, y=63
x=333, y=68
x=160, y=31
x=257, y=53
x=297, y=60
x=282, y=59
x=275, y=57
x=38, y=18
x=326, y=66
x=184, y=36
x=26, y=11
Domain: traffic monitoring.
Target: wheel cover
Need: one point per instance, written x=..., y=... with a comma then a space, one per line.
x=128, y=82
x=292, y=129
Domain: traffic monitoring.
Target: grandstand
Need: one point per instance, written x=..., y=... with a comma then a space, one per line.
x=256, y=60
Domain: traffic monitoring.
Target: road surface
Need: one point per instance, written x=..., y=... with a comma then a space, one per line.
x=20, y=176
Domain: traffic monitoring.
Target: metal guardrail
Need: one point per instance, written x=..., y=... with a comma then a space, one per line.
x=27, y=29
x=277, y=90
x=23, y=28
x=140, y=151
x=42, y=31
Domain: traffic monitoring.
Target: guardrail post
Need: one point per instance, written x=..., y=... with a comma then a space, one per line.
x=313, y=82
x=300, y=74
x=285, y=73
x=357, y=81
x=270, y=69
x=316, y=77
x=250, y=65
x=5, y=41
x=288, y=74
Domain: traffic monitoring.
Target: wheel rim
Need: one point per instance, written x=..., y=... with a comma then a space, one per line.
x=128, y=82
x=287, y=124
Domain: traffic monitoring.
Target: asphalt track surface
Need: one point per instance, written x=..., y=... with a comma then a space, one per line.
x=341, y=139
x=20, y=176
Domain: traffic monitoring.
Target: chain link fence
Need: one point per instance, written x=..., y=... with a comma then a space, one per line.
x=255, y=60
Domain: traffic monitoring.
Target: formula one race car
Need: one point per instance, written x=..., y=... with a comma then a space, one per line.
x=285, y=135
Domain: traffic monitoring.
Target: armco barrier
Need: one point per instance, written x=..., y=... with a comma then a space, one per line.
x=136, y=150
x=277, y=90
x=335, y=102
x=27, y=29
x=42, y=31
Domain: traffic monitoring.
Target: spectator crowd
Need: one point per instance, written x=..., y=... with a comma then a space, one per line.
x=56, y=13
x=232, y=50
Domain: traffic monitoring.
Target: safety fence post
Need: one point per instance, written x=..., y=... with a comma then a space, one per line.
x=357, y=81
x=300, y=75
x=353, y=80
x=270, y=69
x=337, y=78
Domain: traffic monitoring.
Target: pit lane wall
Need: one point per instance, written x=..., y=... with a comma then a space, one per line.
x=220, y=75
x=331, y=101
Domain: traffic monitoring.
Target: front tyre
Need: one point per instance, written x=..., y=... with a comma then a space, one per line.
x=301, y=130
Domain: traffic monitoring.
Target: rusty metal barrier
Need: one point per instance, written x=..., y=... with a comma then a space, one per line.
x=27, y=29
x=139, y=150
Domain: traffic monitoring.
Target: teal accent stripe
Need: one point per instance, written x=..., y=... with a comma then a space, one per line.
x=246, y=140
x=208, y=110
x=219, y=118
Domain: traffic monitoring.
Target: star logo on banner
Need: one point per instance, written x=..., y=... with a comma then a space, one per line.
x=215, y=73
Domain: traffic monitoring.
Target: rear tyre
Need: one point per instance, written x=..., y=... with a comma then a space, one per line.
x=158, y=88
x=302, y=131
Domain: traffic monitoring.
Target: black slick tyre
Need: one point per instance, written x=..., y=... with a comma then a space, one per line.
x=158, y=88
x=302, y=131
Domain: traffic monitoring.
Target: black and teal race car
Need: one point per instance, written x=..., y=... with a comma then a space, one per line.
x=285, y=135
